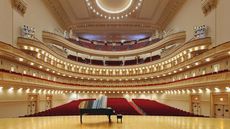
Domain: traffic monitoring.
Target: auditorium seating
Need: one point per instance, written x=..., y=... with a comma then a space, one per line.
x=108, y=47
x=72, y=57
x=121, y=106
x=113, y=63
x=155, y=57
x=71, y=108
x=130, y=62
x=97, y=62
x=151, y=107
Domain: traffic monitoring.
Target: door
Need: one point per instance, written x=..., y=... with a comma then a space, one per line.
x=48, y=104
x=196, y=108
x=32, y=104
x=32, y=107
x=219, y=111
x=220, y=105
x=226, y=111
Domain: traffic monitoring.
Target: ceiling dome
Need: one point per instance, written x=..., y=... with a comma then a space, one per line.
x=114, y=6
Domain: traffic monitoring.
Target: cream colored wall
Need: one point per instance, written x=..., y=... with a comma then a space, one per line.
x=6, y=23
x=191, y=15
x=182, y=101
x=14, y=104
x=37, y=15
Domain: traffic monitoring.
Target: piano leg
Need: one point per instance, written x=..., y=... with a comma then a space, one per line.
x=81, y=118
x=109, y=116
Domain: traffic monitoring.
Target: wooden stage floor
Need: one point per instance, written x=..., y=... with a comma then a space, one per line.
x=101, y=122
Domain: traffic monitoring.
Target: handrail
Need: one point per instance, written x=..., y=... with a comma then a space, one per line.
x=58, y=40
x=215, y=78
x=43, y=46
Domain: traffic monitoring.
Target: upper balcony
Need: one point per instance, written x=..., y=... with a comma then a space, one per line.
x=112, y=51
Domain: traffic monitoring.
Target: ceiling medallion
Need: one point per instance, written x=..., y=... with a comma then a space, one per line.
x=114, y=9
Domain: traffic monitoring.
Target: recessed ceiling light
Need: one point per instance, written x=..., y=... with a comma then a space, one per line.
x=20, y=59
x=207, y=59
x=197, y=63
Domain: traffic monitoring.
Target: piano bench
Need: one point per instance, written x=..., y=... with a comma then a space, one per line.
x=119, y=116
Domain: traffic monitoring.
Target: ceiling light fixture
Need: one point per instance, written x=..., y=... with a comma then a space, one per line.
x=101, y=9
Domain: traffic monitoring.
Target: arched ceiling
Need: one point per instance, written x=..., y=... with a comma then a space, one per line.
x=79, y=16
x=114, y=6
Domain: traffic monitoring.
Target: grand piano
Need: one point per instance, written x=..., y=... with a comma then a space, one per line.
x=96, y=107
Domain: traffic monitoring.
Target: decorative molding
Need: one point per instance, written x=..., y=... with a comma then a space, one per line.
x=9, y=52
x=58, y=40
x=87, y=23
x=208, y=5
x=20, y=6
x=169, y=12
x=95, y=7
x=121, y=27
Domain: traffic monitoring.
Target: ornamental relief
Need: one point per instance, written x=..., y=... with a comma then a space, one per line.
x=20, y=6
x=208, y=5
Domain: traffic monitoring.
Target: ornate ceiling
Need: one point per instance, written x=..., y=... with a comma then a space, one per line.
x=114, y=6
x=126, y=16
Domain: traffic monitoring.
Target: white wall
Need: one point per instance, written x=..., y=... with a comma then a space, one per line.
x=37, y=15
x=191, y=15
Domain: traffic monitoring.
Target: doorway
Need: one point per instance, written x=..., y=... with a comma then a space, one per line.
x=221, y=105
x=48, y=103
x=195, y=104
x=32, y=106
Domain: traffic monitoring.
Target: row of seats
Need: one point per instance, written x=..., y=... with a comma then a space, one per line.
x=71, y=108
x=121, y=106
x=151, y=107
x=120, y=47
x=114, y=63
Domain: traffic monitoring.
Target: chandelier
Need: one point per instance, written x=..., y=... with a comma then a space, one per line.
x=114, y=9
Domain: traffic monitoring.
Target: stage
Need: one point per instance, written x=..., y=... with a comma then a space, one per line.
x=101, y=122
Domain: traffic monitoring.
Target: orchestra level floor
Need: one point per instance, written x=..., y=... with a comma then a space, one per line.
x=101, y=122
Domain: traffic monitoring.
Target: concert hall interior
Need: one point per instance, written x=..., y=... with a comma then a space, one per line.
x=114, y=64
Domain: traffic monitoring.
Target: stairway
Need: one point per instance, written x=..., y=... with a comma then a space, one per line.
x=140, y=111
